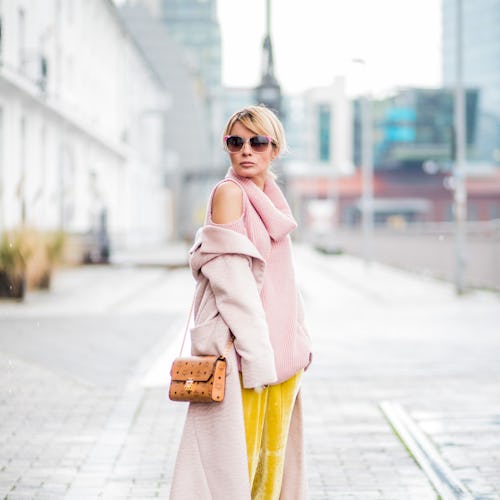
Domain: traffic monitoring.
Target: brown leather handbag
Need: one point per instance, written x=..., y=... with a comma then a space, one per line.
x=198, y=379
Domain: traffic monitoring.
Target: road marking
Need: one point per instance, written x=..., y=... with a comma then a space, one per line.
x=154, y=370
x=159, y=373
x=447, y=485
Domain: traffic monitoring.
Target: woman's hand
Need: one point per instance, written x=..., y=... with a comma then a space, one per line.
x=260, y=388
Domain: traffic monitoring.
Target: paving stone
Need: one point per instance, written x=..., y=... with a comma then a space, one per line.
x=64, y=431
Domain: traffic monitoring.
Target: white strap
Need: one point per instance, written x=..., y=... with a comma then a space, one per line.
x=187, y=327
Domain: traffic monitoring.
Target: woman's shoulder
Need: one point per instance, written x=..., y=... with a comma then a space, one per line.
x=227, y=202
x=228, y=187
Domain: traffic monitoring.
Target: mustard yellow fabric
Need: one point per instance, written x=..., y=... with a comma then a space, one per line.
x=267, y=415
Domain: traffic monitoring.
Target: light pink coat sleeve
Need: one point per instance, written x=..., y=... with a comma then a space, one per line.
x=240, y=305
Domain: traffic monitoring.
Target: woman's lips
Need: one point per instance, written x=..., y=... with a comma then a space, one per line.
x=247, y=164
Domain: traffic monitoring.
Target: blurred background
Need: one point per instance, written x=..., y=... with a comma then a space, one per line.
x=111, y=116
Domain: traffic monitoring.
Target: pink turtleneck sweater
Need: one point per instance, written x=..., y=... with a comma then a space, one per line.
x=267, y=221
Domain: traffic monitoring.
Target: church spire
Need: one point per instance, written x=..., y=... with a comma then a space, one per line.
x=268, y=92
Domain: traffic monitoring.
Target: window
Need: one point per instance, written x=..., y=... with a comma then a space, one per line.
x=449, y=212
x=43, y=73
x=472, y=212
x=21, y=187
x=21, y=40
x=324, y=115
x=494, y=211
x=1, y=34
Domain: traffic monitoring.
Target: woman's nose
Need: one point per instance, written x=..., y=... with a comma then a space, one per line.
x=246, y=148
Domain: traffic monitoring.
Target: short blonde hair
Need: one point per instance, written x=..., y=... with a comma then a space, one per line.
x=260, y=120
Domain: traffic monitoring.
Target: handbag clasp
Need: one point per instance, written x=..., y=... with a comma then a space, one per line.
x=188, y=386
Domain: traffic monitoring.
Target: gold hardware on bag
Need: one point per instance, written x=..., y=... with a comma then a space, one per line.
x=188, y=385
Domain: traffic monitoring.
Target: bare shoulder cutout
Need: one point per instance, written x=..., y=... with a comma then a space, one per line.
x=227, y=203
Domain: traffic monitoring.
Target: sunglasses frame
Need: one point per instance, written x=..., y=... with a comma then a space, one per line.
x=226, y=137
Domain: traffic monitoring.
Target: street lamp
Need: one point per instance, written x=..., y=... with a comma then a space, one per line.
x=460, y=193
x=366, y=171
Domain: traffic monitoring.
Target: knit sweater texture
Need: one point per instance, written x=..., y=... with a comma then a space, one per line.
x=267, y=222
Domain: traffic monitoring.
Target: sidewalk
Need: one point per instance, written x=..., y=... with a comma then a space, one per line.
x=171, y=255
x=381, y=335
x=84, y=370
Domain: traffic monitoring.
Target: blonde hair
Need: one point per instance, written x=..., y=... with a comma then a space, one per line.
x=260, y=120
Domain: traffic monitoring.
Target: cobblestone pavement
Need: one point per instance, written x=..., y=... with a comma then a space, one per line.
x=69, y=407
x=84, y=370
x=386, y=335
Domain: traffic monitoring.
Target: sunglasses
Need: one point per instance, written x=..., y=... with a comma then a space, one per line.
x=258, y=143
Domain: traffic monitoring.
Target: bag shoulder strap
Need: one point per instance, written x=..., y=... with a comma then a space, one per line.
x=186, y=328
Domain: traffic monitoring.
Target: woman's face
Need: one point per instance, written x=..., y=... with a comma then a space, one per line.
x=248, y=163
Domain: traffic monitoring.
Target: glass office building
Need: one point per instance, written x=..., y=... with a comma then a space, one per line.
x=481, y=64
x=416, y=125
x=193, y=24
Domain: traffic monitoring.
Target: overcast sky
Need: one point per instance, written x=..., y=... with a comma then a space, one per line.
x=314, y=40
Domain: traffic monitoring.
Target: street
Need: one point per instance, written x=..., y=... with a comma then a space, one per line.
x=84, y=374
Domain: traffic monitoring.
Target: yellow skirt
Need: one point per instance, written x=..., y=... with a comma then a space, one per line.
x=267, y=417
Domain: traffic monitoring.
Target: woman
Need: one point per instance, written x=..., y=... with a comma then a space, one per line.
x=250, y=445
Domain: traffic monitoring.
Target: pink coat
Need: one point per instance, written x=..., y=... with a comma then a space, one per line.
x=212, y=461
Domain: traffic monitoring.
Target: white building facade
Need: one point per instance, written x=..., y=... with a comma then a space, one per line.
x=328, y=127
x=80, y=124
x=319, y=130
x=320, y=134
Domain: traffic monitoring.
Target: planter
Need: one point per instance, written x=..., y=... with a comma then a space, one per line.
x=44, y=281
x=12, y=287
x=27, y=258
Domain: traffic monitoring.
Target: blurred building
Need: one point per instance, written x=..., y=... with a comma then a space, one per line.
x=186, y=107
x=319, y=129
x=187, y=136
x=414, y=126
x=413, y=154
x=193, y=25
x=401, y=197
x=481, y=66
x=193, y=28
x=80, y=141
x=235, y=98
x=182, y=39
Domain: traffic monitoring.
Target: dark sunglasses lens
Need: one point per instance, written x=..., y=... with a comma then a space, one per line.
x=234, y=143
x=259, y=143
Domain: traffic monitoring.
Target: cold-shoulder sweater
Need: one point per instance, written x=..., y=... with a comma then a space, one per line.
x=267, y=222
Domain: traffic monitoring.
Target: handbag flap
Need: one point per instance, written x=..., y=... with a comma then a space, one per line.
x=195, y=368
